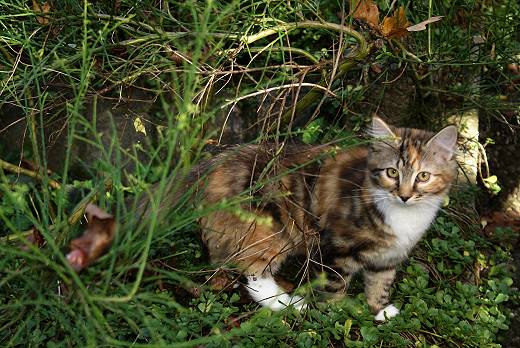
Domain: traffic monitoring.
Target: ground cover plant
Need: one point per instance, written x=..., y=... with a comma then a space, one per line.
x=100, y=101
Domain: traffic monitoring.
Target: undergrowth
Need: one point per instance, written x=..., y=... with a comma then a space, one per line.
x=77, y=76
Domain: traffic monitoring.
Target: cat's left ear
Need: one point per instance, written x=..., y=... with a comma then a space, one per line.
x=380, y=129
x=444, y=143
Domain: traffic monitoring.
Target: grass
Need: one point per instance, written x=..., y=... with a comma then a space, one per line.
x=64, y=71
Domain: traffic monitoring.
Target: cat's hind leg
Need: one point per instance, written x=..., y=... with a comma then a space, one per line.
x=262, y=253
x=261, y=285
x=258, y=250
x=264, y=290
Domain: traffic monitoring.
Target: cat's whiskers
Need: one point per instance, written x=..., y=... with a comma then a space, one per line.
x=367, y=195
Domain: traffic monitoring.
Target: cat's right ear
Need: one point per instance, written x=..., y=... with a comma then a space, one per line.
x=380, y=129
x=444, y=143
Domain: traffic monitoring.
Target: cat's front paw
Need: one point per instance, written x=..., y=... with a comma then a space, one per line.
x=390, y=311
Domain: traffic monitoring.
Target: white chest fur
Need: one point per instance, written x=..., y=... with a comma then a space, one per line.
x=408, y=222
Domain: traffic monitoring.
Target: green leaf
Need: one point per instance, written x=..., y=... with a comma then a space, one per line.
x=370, y=334
x=312, y=132
x=346, y=331
x=501, y=298
x=234, y=298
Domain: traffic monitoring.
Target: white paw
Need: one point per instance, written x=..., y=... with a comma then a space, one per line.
x=283, y=301
x=265, y=291
x=298, y=303
x=277, y=302
x=390, y=311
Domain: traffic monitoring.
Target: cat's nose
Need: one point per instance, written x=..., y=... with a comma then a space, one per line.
x=405, y=198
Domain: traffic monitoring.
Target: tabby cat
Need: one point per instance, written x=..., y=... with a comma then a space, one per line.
x=358, y=209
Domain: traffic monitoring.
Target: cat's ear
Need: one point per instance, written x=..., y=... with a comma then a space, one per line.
x=444, y=143
x=380, y=129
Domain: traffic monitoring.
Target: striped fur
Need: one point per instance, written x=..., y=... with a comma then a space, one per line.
x=342, y=209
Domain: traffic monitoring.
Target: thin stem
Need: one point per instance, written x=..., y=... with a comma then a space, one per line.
x=316, y=92
x=30, y=173
x=430, y=5
x=286, y=49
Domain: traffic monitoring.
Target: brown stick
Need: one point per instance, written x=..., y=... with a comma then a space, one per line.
x=30, y=173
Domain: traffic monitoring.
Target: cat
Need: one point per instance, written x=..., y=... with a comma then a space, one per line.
x=357, y=209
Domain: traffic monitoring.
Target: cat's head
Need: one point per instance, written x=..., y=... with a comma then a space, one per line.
x=409, y=166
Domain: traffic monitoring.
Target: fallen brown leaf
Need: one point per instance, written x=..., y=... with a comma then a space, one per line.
x=366, y=10
x=500, y=219
x=395, y=25
x=232, y=322
x=376, y=68
x=220, y=281
x=98, y=235
x=45, y=8
x=422, y=25
x=35, y=238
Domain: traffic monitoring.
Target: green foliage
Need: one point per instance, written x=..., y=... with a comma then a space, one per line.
x=313, y=132
x=437, y=305
x=14, y=206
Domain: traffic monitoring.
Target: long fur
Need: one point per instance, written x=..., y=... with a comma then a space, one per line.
x=339, y=207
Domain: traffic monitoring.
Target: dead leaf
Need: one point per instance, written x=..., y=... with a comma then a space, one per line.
x=422, y=25
x=35, y=238
x=232, y=322
x=366, y=10
x=220, y=281
x=496, y=219
x=376, y=68
x=44, y=9
x=395, y=25
x=98, y=235
x=176, y=56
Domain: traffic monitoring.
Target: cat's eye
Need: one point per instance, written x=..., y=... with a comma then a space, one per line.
x=392, y=172
x=423, y=176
